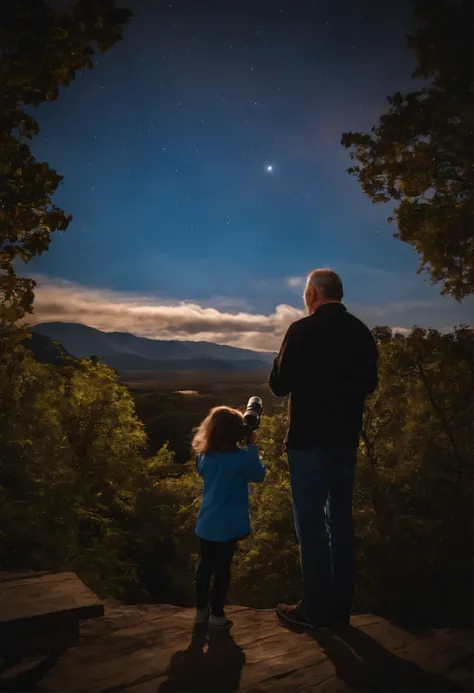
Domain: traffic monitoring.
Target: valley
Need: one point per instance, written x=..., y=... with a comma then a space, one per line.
x=172, y=404
x=173, y=383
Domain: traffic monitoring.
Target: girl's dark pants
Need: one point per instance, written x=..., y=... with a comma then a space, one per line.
x=216, y=560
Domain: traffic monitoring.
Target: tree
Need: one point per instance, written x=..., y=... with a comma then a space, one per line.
x=71, y=467
x=41, y=49
x=421, y=153
x=415, y=483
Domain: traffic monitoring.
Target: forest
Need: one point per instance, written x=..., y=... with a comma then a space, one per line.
x=80, y=491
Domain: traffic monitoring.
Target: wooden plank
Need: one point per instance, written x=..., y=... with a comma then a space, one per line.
x=6, y=576
x=173, y=621
x=435, y=654
x=137, y=655
x=45, y=601
x=379, y=634
x=163, y=634
x=120, y=617
x=295, y=679
x=149, y=648
x=36, y=579
x=224, y=664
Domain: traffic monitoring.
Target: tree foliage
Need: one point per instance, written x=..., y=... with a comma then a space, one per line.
x=416, y=481
x=41, y=50
x=78, y=490
x=421, y=152
x=70, y=466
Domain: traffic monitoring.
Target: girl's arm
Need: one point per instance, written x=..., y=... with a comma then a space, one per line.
x=253, y=467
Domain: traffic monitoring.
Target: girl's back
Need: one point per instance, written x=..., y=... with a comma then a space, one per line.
x=224, y=512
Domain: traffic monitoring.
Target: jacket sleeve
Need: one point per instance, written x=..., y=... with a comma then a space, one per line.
x=253, y=467
x=281, y=377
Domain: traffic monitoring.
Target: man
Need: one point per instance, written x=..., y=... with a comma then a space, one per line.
x=328, y=365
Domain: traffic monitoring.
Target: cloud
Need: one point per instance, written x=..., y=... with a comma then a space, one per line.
x=295, y=282
x=401, y=330
x=224, y=320
x=159, y=318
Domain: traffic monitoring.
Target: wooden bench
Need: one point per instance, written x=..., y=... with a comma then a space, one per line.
x=40, y=612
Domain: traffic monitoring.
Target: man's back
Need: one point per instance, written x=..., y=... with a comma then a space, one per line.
x=328, y=365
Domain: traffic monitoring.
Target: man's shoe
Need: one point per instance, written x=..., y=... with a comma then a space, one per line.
x=296, y=616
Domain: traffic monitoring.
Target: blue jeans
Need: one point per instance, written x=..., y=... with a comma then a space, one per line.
x=322, y=482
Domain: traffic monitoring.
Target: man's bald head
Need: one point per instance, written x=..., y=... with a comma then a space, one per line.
x=322, y=286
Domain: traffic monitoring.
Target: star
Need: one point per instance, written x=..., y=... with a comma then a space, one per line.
x=269, y=168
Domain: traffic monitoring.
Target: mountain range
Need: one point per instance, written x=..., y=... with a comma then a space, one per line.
x=127, y=352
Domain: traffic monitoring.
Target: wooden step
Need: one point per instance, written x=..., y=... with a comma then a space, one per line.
x=40, y=610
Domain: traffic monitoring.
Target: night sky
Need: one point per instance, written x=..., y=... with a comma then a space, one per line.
x=205, y=175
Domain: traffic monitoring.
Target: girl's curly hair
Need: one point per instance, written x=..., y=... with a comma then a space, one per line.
x=221, y=431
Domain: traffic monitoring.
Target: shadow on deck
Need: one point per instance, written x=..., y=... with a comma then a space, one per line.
x=153, y=649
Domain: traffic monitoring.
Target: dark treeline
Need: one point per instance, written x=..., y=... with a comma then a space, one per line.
x=79, y=491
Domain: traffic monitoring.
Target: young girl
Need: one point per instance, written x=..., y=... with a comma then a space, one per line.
x=224, y=514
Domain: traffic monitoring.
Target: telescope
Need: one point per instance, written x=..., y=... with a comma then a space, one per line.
x=252, y=415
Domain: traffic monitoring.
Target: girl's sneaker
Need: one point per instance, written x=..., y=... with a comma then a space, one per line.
x=219, y=622
x=202, y=616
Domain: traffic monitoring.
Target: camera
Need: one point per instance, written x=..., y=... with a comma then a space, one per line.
x=252, y=415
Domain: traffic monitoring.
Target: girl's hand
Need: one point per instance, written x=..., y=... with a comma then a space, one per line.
x=254, y=438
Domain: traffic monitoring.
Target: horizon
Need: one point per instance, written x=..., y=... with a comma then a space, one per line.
x=401, y=331
x=203, y=168
x=155, y=339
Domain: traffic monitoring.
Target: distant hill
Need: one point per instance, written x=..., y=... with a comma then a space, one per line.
x=45, y=350
x=127, y=352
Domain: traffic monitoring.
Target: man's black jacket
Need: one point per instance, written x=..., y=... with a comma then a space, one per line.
x=328, y=365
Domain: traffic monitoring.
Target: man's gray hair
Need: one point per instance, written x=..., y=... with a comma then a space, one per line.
x=327, y=282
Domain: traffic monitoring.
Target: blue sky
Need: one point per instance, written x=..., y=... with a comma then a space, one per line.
x=165, y=145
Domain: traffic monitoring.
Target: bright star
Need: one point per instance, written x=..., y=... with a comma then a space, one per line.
x=269, y=168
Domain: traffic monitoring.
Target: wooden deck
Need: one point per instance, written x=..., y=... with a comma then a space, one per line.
x=155, y=648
